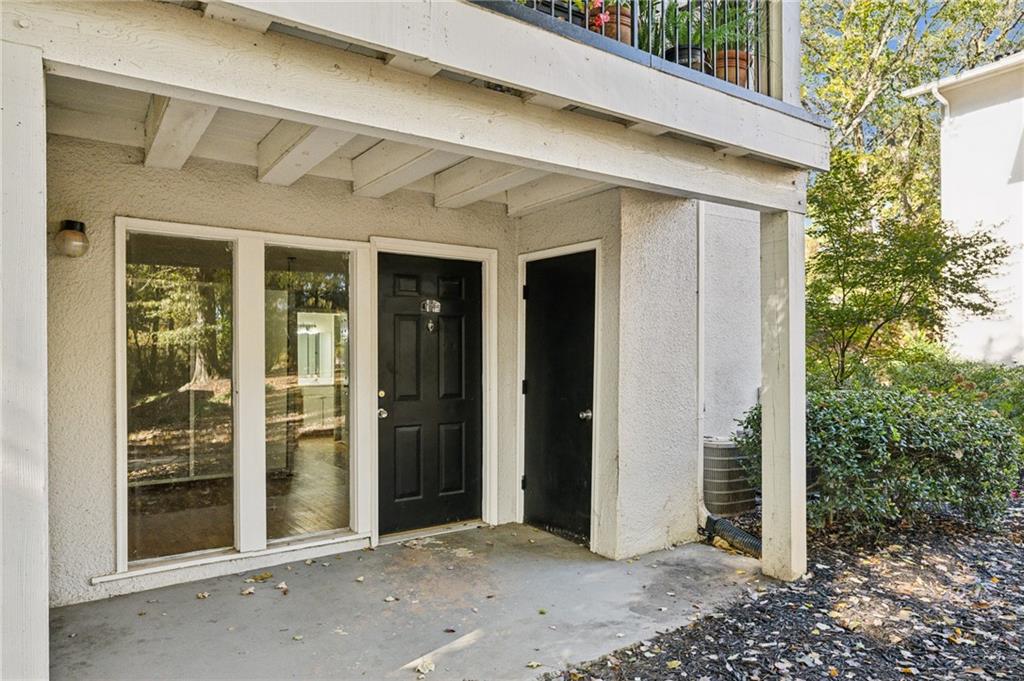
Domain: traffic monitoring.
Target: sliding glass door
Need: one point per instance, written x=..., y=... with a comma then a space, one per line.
x=307, y=386
x=235, y=407
x=179, y=370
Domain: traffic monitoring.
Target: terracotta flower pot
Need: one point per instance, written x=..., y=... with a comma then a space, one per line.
x=619, y=27
x=731, y=65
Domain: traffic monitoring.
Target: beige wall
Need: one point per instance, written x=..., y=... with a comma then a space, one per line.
x=646, y=463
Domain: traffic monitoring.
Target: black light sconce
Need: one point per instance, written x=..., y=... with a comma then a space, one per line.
x=71, y=239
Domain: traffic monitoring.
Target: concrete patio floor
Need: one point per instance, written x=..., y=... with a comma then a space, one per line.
x=513, y=595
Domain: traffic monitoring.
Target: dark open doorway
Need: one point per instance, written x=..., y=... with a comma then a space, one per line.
x=559, y=393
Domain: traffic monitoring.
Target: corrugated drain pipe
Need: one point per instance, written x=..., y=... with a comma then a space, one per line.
x=712, y=525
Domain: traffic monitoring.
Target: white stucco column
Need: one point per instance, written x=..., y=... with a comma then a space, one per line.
x=24, y=620
x=658, y=428
x=783, y=397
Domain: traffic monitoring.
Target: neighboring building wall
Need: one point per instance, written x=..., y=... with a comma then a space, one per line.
x=983, y=182
x=94, y=182
x=595, y=217
x=732, y=316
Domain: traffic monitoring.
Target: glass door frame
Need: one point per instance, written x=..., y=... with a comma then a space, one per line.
x=248, y=381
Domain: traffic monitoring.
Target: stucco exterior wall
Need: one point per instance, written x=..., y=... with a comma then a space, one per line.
x=646, y=464
x=595, y=217
x=732, y=315
x=983, y=182
x=658, y=438
x=94, y=182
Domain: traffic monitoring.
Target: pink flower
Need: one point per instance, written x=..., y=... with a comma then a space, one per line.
x=596, y=4
x=602, y=19
x=1014, y=494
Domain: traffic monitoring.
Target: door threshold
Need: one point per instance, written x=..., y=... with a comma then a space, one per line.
x=433, y=531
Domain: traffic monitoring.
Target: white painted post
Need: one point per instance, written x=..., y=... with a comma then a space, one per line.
x=784, y=50
x=783, y=397
x=250, y=398
x=24, y=544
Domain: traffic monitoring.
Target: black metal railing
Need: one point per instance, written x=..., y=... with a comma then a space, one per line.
x=727, y=39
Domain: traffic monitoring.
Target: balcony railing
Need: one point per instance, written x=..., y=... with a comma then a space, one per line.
x=726, y=39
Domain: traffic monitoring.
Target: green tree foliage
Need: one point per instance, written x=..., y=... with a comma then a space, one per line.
x=883, y=261
x=879, y=269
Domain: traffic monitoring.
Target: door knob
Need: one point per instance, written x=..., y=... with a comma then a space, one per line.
x=586, y=415
x=382, y=413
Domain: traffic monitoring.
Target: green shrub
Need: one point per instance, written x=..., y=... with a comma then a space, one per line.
x=878, y=457
x=997, y=387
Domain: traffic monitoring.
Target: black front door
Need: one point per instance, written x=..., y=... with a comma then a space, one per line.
x=430, y=445
x=559, y=392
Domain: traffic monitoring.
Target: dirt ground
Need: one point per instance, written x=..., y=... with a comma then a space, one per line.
x=946, y=602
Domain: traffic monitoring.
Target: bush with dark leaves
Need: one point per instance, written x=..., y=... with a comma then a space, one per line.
x=882, y=457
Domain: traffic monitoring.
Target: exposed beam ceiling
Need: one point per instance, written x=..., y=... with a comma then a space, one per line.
x=390, y=165
x=548, y=191
x=291, y=150
x=173, y=128
x=476, y=179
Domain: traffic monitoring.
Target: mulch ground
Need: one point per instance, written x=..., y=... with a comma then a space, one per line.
x=946, y=602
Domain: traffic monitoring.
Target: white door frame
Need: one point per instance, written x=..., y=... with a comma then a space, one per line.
x=488, y=257
x=524, y=258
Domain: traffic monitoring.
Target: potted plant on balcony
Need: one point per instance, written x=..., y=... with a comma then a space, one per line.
x=728, y=37
x=681, y=29
x=611, y=18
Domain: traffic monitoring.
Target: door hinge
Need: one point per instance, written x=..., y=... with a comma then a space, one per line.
x=522, y=483
x=524, y=386
x=526, y=290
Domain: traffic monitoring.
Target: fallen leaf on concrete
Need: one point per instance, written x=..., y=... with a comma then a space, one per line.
x=297, y=637
x=425, y=667
x=532, y=665
x=283, y=588
x=360, y=579
x=249, y=591
x=202, y=595
x=261, y=577
x=390, y=599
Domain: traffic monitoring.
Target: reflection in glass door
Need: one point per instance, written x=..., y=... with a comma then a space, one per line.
x=178, y=352
x=307, y=390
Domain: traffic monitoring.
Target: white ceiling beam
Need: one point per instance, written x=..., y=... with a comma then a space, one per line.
x=285, y=77
x=358, y=145
x=173, y=128
x=392, y=165
x=549, y=191
x=290, y=150
x=732, y=151
x=648, y=128
x=238, y=16
x=531, y=59
x=546, y=101
x=421, y=67
x=476, y=179
x=129, y=133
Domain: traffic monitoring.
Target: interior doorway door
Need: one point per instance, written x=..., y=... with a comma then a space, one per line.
x=430, y=413
x=559, y=390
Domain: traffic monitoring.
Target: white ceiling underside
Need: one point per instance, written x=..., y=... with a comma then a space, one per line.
x=172, y=131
